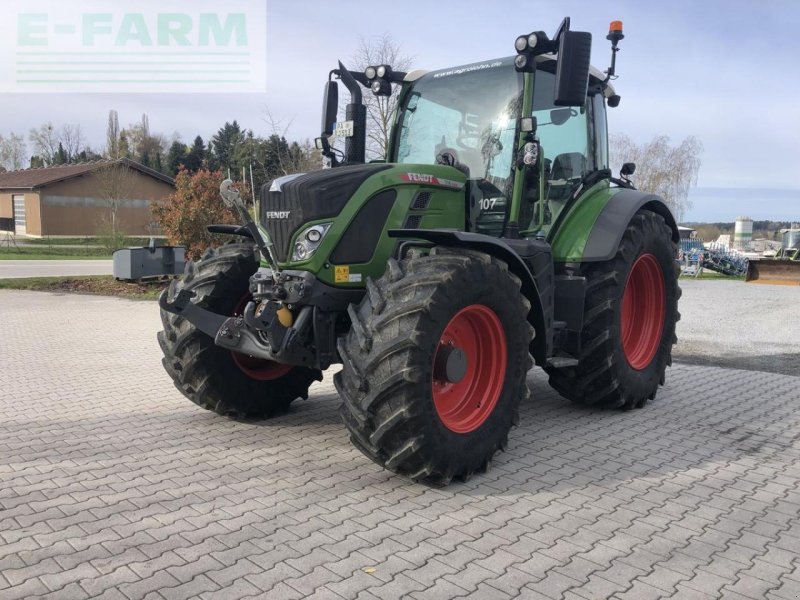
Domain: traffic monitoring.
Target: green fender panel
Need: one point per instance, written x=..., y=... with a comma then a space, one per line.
x=593, y=228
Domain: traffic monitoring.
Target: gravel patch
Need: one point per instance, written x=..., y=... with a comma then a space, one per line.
x=739, y=325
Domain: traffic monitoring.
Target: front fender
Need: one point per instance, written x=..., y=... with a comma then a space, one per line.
x=540, y=315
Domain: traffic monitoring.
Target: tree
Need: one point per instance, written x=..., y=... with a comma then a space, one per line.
x=197, y=155
x=89, y=155
x=276, y=157
x=60, y=147
x=72, y=140
x=124, y=145
x=12, y=152
x=61, y=157
x=45, y=143
x=226, y=146
x=186, y=213
x=115, y=182
x=382, y=50
x=113, y=150
x=142, y=145
x=661, y=168
x=176, y=157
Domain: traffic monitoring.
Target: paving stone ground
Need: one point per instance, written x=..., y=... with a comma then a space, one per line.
x=115, y=486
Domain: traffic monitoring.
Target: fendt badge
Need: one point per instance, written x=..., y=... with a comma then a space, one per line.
x=278, y=214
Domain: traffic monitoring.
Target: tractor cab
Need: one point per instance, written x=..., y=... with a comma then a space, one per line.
x=471, y=117
x=528, y=132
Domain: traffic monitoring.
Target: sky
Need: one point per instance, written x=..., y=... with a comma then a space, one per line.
x=723, y=71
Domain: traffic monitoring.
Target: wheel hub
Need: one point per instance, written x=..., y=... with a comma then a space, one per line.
x=643, y=311
x=451, y=364
x=469, y=368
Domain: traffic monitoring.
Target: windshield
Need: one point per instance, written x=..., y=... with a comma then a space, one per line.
x=470, y=113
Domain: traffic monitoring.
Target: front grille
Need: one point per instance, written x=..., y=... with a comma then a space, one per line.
x=308, y=197
x=280, y=229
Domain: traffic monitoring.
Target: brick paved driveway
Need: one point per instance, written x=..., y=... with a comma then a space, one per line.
x=113, y=485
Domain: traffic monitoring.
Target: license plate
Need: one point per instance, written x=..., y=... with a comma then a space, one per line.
x=343, y=129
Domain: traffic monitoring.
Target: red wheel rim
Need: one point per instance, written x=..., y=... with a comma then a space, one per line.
x=643, y=310
x=463, y=405
x=256, y=368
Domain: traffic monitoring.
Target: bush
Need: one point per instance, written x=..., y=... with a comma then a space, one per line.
x=195, y=204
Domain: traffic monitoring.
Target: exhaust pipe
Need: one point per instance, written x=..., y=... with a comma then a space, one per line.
x=355, y=111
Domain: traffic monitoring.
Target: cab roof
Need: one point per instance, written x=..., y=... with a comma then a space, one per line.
x=594, y=73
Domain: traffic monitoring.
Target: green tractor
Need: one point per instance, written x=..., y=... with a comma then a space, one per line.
x=493, y=236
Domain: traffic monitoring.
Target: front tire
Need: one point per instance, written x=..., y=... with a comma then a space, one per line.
x=631, y=309
x=435, y=363
x=228, y=383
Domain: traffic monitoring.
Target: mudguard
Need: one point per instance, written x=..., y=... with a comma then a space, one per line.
x=540, y=315
x=608, y=229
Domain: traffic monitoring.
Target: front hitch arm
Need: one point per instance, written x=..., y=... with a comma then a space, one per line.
x=205, y=320
x=229, y=332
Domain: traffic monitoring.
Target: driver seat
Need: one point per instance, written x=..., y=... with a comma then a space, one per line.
x=566, y=168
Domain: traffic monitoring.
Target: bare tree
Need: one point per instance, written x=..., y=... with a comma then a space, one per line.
x=62, y=146
x=72, y=141
x=45, y=143
x=13, y=153
x=112, y=136
x=115, y=182
x=374, y=51
x=661, y=168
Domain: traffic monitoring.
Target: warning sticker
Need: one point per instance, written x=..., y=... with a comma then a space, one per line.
x=341, y=274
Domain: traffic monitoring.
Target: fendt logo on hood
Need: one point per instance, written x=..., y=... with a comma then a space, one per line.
x=278, y=214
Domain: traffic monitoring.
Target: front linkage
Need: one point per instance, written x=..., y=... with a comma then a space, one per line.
x=267, y=328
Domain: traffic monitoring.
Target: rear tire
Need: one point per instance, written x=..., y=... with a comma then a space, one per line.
x=227, y=383
x=411, y=404
x=627, y=338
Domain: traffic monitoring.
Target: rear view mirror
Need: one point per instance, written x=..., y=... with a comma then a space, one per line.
x=559, y=116
x=628, y=169
x=572, y=70
x=330, y=107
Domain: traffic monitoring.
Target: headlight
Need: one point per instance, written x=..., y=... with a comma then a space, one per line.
x=532, y=39
x=309, y=240
x=370, y=72
x=521, y=43
x=382, y=71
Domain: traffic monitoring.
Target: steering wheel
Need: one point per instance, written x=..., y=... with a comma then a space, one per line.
x=447, y=156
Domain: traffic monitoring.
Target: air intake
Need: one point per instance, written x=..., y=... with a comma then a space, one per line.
x=421, y=201
x=413, y=221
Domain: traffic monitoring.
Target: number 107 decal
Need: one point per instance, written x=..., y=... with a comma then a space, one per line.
x=487, y=203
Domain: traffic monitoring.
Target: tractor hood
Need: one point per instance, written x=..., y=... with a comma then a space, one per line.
x=286, y=203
